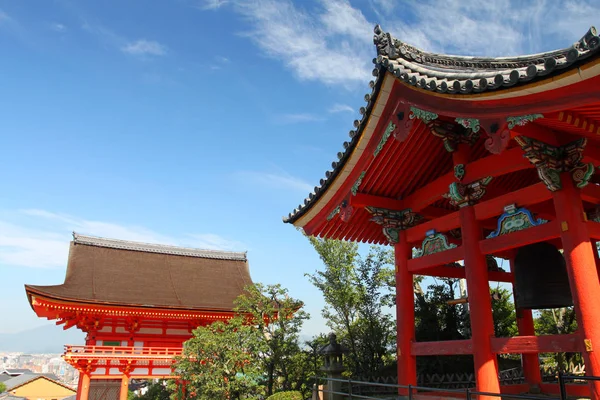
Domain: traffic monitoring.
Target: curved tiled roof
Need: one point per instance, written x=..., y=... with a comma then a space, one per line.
x=451, y=75
x=464, y=75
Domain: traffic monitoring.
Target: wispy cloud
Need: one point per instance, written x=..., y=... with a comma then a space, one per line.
x=287, y=119
x=57, y=27
x=213, y=4
x=280, y=180
x=332, y=43
x=337, y=108
x=144, y=48
x=39, y=238
x=3, y=16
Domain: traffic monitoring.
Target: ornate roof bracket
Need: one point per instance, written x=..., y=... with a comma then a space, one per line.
x=403, y=121
x=462, y=195
x=356, y=185
x=515, y=219
x=453, y=134
x=552, y=161
x=393, y=221
x=345, y=210
x=386, y=135
x=433, y=243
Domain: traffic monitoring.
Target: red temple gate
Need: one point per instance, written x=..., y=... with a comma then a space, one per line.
x=138, y=304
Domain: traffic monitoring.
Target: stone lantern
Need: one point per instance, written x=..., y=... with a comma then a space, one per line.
x=333, y=355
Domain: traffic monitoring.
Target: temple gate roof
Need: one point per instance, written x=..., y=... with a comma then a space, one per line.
x=124, y=273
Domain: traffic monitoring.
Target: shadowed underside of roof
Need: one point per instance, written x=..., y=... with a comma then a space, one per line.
x=114, y=272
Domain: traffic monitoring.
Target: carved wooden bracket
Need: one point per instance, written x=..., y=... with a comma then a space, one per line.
x=435, y=242
x=551, y=161
x=462, y=195
x=453, y=134
x=394, y=221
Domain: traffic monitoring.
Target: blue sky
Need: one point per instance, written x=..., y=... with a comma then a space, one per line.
x=201, y=123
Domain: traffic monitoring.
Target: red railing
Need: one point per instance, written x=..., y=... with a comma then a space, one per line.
x=72, y=351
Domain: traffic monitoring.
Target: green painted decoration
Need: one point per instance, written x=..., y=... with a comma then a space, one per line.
x=333, y=213
x=386, y=135
x=582, y=174
x=356, y=185
x=522, y=120
x=466, y=195
x=469, y=123
x=459, y=171
x=515, y=219
x=425, y=116
x=434, y=243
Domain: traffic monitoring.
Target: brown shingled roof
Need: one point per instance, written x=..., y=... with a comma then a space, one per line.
x=115, y=272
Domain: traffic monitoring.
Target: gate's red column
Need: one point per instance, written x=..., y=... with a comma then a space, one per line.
x=583, y=276
x=405, y=313
x=480, y=305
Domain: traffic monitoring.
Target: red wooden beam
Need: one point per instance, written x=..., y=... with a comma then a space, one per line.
x=593, y=229
x=495, y=165
x=537, y=344
x=364, y=200
x=522, y=198
x=458, y=273
x=442, y=224
x=446, y=348
x=538, y=132
x=540, y=233
x=416, y=265
x=591, y=193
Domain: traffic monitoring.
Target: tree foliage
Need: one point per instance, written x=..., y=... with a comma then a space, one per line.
x=558, y=321
x=222, y=361
x=2, y=387
x=356, y=292
x=156, y=391
x=256, y=353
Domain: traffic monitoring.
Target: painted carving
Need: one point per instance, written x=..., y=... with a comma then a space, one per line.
x=469, y=123
x=386, y=135
x=346, y=211
x=459, y=171
x=462, y=195
x=453, y=134
x=551, y=161
x=334, y=213
x=356, y=185
x=434, y=243
x=394, y=221
x=522, y=120
x=515, y=219
x=498, y=135
x=425, y=116
x=403, y=122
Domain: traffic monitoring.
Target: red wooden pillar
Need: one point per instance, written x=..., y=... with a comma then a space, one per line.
x=124, y=387
x=583, y=276
x=480, y=305
x=83, y=390
x=596, y=255
x=405, y=313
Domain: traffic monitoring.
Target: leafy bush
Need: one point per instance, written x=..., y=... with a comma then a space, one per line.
x=286, y=396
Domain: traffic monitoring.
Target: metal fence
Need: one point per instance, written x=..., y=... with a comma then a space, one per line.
x=349, y=389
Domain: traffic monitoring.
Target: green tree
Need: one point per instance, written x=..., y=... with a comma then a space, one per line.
x=222, y=361
x=2, y=387
x=279, y=318
x=156, y=391
x=558, y=321
x=356, y=292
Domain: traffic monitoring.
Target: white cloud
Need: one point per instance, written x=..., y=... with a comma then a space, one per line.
x=332, y=43
x=55, y=26
x=281, y=180
x=144, y=47
x=337, y=108
x=213, y=4
x=296, y=118
x=39, y=238
x=3, y=16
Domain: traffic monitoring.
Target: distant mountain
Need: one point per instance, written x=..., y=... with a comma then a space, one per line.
x=45, y=339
